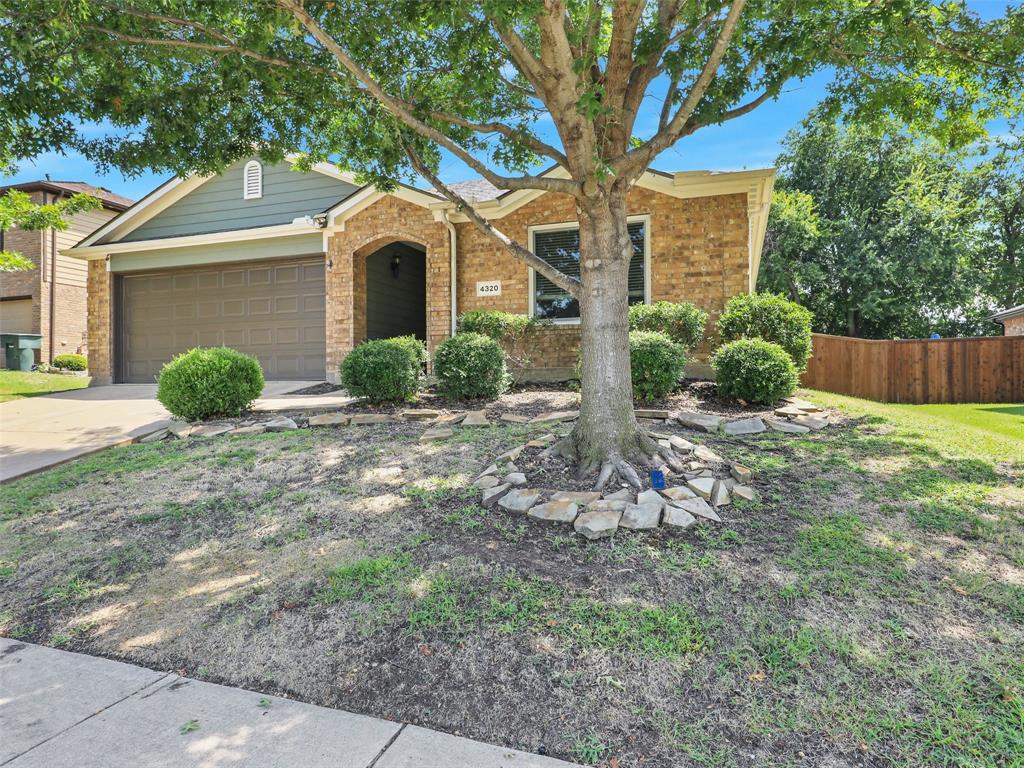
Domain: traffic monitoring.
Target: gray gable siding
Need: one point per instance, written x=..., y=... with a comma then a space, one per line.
x=217, y=204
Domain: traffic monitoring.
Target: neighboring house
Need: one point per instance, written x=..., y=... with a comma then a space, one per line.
x=299, y=268
x=1011, y=319
x=51, y=299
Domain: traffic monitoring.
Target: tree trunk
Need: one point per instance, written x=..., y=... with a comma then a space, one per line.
x=606, y=435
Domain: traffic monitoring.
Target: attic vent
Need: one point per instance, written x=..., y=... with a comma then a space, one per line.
x=252, y=184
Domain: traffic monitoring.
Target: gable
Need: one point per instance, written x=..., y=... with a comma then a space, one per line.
x=217, y=204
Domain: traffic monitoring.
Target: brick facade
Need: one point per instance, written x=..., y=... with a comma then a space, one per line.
x=101, y=323
x=1013, y=326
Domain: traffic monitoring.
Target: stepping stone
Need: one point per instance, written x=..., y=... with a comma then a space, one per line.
x=598, y=524
x=623, y=494
x=576, y=497
x=695, y=466
x=681, y=444
x=154, y=437
x=541, y=442
x=180, y=429
x=665, y=444
x=675, y=517
x=812, y=422
x=729, y=483
x=606, y=505
x=700, y=421
x=650, y=496
x=510, y=468
x=751, y=426
x=678, y=493
x=697, y=507
x=280, y=424
x=554, y=417
x=420, y=414
x=519, y=499
x=363, y=419
x=513, y=418
x=702, y=486
x=485, y=482
x=491, y=470
x=650, y=413
x=554, y=512
x=436, y=433
x=720, y=495
x=329, y=419
x=784, y=425
x=476, y=419
x=804, y=405
x=252, y=429
x=641, y=517
x=211, y=430
x=744, y=492
x=449, y=419
x=491, y=496
x=704, y=453
x=511, y=455
x=788, y=410
x=741, y=474
x=514, y=478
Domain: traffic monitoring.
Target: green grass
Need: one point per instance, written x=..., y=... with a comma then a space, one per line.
x=15, y=385
x=367, y=579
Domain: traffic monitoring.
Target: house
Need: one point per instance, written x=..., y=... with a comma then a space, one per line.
x=1011, y=319
x=51, y=299
x=299, y=268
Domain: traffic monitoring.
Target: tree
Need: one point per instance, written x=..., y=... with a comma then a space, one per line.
x=18, y=210
x=999, y=188
x=390, y=85
x=875, y=232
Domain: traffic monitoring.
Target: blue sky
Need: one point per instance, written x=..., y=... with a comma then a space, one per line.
x=751, y=141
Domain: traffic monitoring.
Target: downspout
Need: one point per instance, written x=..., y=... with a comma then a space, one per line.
x=454, y=242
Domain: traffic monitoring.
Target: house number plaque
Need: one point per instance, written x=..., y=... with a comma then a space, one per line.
x=488, y=288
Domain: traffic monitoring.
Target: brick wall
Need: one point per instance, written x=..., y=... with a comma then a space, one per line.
x=1014, y=326
x=100, y=322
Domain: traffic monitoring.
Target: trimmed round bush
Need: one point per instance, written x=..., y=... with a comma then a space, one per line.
x=470, y=365
x=207, y=382
x=656, y=362
x=500, y=326
x=682, y=322
x=384, y=370
x=754, y=370
x=772, y=318
x=70, y=362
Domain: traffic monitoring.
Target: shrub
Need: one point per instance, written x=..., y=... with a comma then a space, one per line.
x=471, y=365
x=754, y=370
x=657, y=364
x=203, y=383
x=70, y=362
x=683, y=322
x=772, y=318
x=500, y=326
x=384, y=369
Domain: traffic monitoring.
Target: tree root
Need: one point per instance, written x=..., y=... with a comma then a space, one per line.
x=616, y=468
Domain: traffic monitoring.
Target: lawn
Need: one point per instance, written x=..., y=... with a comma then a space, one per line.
x=15, y=385
x=868, y=610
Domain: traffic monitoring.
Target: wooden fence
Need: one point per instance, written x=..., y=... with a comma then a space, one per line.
x=988, y=369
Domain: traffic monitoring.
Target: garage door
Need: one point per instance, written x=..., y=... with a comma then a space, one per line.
x=273, y=310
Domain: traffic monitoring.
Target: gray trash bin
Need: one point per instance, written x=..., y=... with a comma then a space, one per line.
x=19, y=349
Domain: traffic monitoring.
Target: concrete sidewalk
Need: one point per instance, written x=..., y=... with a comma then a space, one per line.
x=67, y=710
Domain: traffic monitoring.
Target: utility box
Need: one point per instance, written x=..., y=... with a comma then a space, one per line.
x=19, y=349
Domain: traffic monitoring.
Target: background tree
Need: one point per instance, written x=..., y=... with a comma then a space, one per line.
x=390, y=85
x=18, y=210
x=875, y=232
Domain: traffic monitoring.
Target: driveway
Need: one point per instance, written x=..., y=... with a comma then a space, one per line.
x=39, y=432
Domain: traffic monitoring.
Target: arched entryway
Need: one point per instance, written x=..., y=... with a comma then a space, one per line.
x=396, y=291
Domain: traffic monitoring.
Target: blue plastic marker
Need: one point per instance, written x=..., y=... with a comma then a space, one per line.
x=657, y=479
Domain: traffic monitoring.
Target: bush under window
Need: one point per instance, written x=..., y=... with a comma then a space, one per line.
x=207, y=382
x=70, y=362
x=754, y=370
x=682, y=322
x=772, y=318
x=384, y=370
x=656, y=362
x=500, y=326
x=471, y=365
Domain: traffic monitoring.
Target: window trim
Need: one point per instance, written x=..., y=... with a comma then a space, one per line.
x=645, y=218
x=245, y=180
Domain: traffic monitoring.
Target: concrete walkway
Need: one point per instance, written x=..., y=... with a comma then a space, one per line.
x=39, y=432
x=66, y=710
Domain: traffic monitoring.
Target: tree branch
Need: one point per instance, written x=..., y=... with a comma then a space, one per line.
x=569, y=284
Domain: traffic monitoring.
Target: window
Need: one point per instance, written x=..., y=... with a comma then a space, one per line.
x=561, y=249
x=252, y=181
